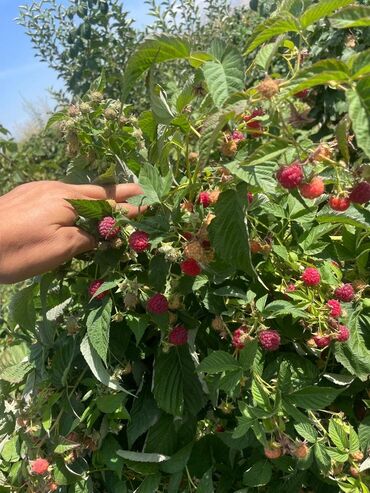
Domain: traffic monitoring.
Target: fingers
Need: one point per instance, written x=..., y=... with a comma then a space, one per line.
x=75, y=241
x=131, y=211
x=119, y=193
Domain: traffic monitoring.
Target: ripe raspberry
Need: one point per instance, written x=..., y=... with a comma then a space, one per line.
x=339, y=203
x=360, y=194
x=290, y=176
x=250, y=197
x=94, y=286
x=108, y=228
x=255, y=246
x=178, y=336
x=190, y=267
x=343, y=333
x=139, y=241
x=187, y=235
x=290, y=288
x=157, y=304
x=313, y=189
x=273, y=453
x=240, y=336
x=39, y=466
x=237, y=136
x=302, y=94
x=53, y=487
x=269, y=339
x=345, y=293
x=204, y=199
x=335, y=308
x=311, y=276
x=301, y=451
x=254, y=125
x=322, y=341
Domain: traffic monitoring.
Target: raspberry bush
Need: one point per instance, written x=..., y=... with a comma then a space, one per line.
x=219, y=341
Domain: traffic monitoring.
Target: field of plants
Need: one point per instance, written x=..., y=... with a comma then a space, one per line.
x=220, y=341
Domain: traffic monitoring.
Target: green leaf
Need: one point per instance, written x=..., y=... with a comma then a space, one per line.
x=320, y=10
x=11, y=449
x=281, y=24
x=258, y=475
x=156, y=49
x=353, y=354
x=359, y=64
x=206, y=483
x=320, y=73
x=142, y=456
x=150, y=484
x=218, y=362
x=354, y=16
x=55, y=118
x=96, y=366
x=14, y=363
x=359, y=112
x=144, y=414
x=337, y=434
x=341, y=133
x=64, y=445
x=154, y=186
x=354, y=442
x=138, y=324
x=148, y=125
x=91, y=209
x=108, y=403
x=354, y=216
x=268, y=151
x=248, y=354
x=178, y=461
x=159, y=105
x=22, y=308
x=364, y=433
x=322, y=457
x=281, y=307
x=313, y=397
x=306, y=431
x=98, y=325
x=176, y=386
x=228, y=231
x=225, y=76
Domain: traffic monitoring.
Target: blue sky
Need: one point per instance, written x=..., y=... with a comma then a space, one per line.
x=22, y=75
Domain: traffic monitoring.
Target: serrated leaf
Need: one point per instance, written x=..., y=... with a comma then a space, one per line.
x=176, y=386
x=22, y=308
x=281, y=24
x=98, y=325
x=228, y=231
x=281, y=307
x=96, y=365
x=156, y=49
x=313, y=397
x=138, y=324
x=142, y=456
x=322, y=457
x=154, y=186
x=354, y=442
x=354, y=216
x=64, y=445
x=354, y=354
x=354, y=16
x=359, y=112
x=178, y=461
x=337, y=434
x=55, y=118
x=306, y=431
x=320, y=10
x=364, y=433
x=14, y=363
x=218, y=362
x=53, y=313
x=91, y=209
x=225, y=76
x=321, y=73
x=258, y=475
x=359, y=64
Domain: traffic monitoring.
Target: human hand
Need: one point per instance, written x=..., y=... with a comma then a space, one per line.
x=37, y=225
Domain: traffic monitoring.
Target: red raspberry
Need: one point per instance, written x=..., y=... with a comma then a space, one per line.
x=139, y=241
x=157, y=304
x=290, y=288
x=269, y=339
x=339, y=203
x=302, y=94
x=311, y=276
x=252, y=124
x=345, y=292
x=237, y=136
x=343, y=333
x=322, y=341
x=178, y=336
x=219, y=429
x=94, y=286
x=108, y=228
x=40, y=466
x=360, y=194
x=53, y=487
x=239, y=337
x=250, y=197
x=190, y=267
x=204, y=199
x=313, y=189
x=187, y=235
x=335, y=308
x=290, y=176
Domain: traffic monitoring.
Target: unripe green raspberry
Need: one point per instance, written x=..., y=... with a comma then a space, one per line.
x=85, y=108
x=96, y=97
x=110, y=114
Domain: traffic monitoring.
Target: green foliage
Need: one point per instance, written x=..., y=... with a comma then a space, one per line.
x=198, y=398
